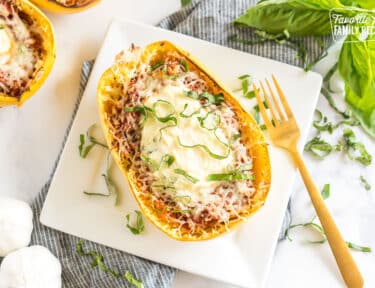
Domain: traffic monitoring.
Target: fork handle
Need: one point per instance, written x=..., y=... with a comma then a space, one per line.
x=348, y=268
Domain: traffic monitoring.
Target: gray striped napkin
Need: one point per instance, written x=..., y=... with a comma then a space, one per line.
x=206, y=19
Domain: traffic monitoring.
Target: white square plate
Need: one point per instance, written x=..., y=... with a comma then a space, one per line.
x=241, y=257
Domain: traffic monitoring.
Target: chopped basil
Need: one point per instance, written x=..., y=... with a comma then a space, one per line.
x=97, y=260
x=245, y=86
x=143, y=110
x=328, y=76
x=184, y=64
x=217, y=120
x=166, y=127
x=358, y=247
x=355, y=150
x=212, y=99
x=186, y=175
x=346, y=114
x=167, y=159
x=320, y=148
x=324, y=54
x=243, y=77
x=322, y=123
x=164, y=118
x=1, y=27
x=250, y=94
x=109, y=182
x=139, y=226
x=84, y=150
x=183, y=115
x=326, y=191
x=311, y=225
x=95, y=194
x=365, y=183
x=205, y=148
x=234, y=138
x=132, y=280
x=229, y=177
x=156, y=66
x=320, y=230
x=24, y=48
x=185, y=2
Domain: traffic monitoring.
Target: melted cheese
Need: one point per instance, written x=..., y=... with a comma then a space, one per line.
x=17, y=61
x=194, y=161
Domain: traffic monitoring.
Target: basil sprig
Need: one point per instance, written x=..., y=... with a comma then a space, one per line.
x=97, y=260
x=84, y=150
x=205, y=148
x=186, y=175
x=138, y=227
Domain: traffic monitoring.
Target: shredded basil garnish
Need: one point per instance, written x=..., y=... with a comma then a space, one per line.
x=167, y=159
x=322, y=123
x=320, y=230
x=109, y=182
x=84, y=150
x=328, y=76
x=234, y=138
x=354, y=148
x=164, y=118
x=210, y=98
x=138, y=227
x=320, y=148
x=365, y=183
x=217, y=121
x=205, y=148
x=98, y=261
x=186, y=175
x=156, y=66
x=244, y=76
x=229, y=177
x=143, y=110
x=346, y=114
x=326, y=191
x=184, y=64
x=95, y=194
x=183, y=115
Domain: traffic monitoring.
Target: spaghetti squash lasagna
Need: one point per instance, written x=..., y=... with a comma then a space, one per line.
x=21, y=49
x=195, y=161
x=73, y=3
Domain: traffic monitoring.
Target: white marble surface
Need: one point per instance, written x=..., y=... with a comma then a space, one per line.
x=31, y=138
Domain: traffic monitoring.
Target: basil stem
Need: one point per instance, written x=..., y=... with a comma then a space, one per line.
x=139, y=226
x=186, y=175
x=98, y=261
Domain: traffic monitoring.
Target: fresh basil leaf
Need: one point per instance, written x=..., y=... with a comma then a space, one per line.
x=139, y=226
x=250, y=94
x=97, y=260
x=298, y=17
x=365, y=183
x=357, y=68
x=205, y=148
x=326, y=191
x=132, y=280
x=355, y=150
x=186, y=175
x=245, y=86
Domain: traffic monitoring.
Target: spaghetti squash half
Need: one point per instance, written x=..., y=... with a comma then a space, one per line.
x=27, y=50
x=195, y=161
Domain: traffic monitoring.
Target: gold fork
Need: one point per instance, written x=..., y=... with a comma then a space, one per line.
x=284, y=132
